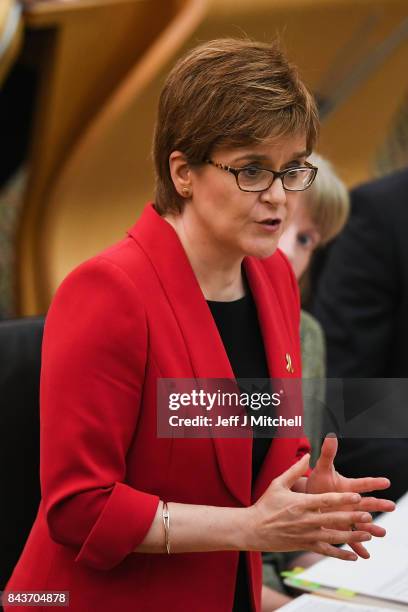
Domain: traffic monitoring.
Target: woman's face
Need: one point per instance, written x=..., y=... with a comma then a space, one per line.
x=241, y=223
x=300, y=237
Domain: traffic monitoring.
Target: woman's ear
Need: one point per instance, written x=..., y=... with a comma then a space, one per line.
x=180, y=173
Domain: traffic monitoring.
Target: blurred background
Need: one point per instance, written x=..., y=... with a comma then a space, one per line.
x=79, y=86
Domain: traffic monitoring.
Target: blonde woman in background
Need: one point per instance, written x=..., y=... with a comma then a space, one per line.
x=319, y=216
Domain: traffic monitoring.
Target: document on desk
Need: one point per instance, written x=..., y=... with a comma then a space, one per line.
x=314, y=603
x=384, y=575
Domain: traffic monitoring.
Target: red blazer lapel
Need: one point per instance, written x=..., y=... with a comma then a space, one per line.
x=280, y=339
x=162, y=247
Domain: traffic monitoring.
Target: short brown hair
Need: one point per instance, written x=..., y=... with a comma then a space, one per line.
x=227, y=92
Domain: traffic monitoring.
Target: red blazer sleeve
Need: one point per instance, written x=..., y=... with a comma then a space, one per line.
x=94, y=356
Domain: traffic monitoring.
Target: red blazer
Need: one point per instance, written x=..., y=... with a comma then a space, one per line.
x=118, y=322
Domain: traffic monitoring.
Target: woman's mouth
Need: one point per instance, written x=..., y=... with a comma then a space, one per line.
x=271, y=225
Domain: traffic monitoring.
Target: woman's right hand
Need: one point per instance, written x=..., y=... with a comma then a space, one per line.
x=283, y=520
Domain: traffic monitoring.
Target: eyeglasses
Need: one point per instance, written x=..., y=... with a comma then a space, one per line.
x=251, y=178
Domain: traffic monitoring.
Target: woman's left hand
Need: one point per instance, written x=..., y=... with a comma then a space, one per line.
x=325, y=479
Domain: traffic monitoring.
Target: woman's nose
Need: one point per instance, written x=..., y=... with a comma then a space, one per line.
x=275, y=194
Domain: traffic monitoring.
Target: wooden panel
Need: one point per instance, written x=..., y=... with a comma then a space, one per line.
x=108, y=177
x=10, y=35
x=84, y=52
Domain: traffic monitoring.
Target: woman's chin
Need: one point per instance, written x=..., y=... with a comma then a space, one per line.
x=261, y=251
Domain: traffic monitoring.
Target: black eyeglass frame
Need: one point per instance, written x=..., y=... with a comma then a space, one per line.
x=275, y=174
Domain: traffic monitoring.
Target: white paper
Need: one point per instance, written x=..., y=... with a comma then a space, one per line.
x=384, y=575
x=314, y=603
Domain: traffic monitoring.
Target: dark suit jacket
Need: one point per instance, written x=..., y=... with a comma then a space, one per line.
x=119, y=322
x=362, y=298
x=362, y=304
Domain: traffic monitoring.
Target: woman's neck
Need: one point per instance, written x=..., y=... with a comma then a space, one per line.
x=218, y=272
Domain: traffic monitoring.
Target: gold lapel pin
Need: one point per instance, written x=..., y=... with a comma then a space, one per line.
x=289, y=366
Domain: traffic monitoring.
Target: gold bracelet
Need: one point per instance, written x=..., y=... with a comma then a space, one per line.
x=166, y=523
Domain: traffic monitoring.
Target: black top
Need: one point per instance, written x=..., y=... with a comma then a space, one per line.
x=238, y=325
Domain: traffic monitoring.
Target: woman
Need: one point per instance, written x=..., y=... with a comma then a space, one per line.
x=142, y=310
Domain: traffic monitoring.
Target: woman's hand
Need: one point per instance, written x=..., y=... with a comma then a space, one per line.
x=325, y=478
x=283, y=520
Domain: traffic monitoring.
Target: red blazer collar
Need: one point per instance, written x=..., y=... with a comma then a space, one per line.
x=163, y=248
